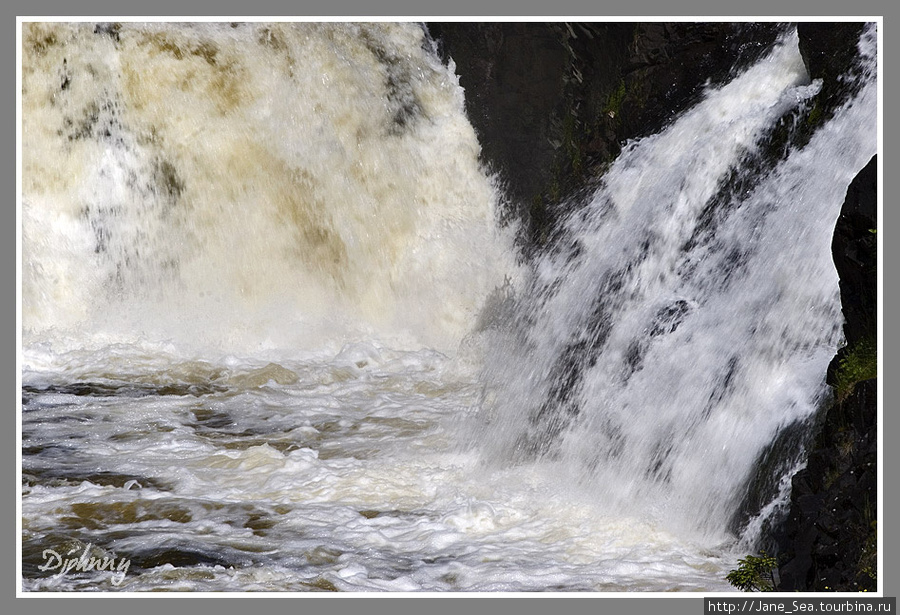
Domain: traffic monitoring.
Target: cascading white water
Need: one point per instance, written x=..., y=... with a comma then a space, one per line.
x=689, y=311
x=250, y=187
x=259, y=260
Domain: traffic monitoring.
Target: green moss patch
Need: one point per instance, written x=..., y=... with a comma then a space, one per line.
x=859, y=364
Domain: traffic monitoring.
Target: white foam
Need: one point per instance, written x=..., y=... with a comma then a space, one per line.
x=263, y=189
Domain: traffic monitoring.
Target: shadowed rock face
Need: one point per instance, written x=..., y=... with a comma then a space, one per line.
x=831, y=533
x=828, y=541
x=829, y=536
x=827, y=50
x=553, y=103
x=855, y=255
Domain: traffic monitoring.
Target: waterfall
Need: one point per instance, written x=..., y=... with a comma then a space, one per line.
x=686, y=313
x=238, y=188
x=277, y=335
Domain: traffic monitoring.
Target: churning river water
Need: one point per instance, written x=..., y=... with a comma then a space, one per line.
x=276, y=339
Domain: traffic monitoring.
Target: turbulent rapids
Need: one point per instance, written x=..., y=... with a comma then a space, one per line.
x=276, y=338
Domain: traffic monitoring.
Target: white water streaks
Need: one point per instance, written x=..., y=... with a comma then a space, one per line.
x=250, y=188
x=688, y=312
x=259, y=263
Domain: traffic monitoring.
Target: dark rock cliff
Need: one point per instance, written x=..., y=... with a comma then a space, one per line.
x=554, y=103
x=830, y=534
x=828, y=541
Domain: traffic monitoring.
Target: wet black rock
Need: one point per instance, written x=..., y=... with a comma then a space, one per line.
x=830, y=534
x=828, y=541
x=828, y=49
x=553, y=103
x=854, y=248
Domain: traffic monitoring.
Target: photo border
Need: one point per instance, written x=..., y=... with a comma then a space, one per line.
x=414, y=603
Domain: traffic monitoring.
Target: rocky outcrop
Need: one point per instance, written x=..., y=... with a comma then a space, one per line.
x=828, y=50
x=831, y=531
x=854, y=248
x=828, y=541
x=830, y=535
x=554, y=103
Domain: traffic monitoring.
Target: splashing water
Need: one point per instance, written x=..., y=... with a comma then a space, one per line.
x=251, y=188
x=274, y=338
x=688, y=312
